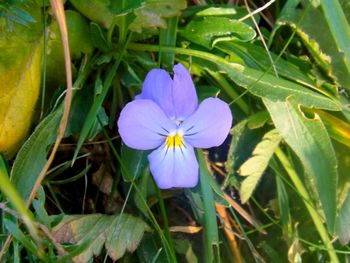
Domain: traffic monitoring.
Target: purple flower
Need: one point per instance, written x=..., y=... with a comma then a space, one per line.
x=166, y=117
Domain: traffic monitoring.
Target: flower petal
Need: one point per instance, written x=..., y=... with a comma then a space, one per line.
x=184, y=93
x=209, y=125
x=143, y=125
x=174, y=167
x=158, y=87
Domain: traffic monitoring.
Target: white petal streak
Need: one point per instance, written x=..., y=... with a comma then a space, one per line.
x=174, y=166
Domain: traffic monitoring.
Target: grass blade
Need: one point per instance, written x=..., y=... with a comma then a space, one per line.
x=210, y=225
x=339, y=27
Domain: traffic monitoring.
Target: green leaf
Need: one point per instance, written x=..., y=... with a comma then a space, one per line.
x=310, y=141
x=283, y=204
x=78, y=32
x=167, y=37
x=346, y=8
x=118, y=234
x=150, y=250
x=152, y=13
x=314, y=31
x=13, y=196
x=98, y=37
x=254, y=167
x=218, y=11
x=256, y=57
x=19, y=235
x=258, y=120
x=211, y=235
x=95, y=108
x=343, y=222
x=31, y=158
x=80, y=43
x=135, y=162
x=268, y=86
x=339, y=28
x=98, y=11
x=211, y=30
x=243, y=142
x=228, y=11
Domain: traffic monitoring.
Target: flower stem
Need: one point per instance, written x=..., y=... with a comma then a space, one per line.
x=308, y=203
x=163, y=211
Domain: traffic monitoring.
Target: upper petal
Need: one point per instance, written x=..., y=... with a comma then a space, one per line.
x=143, y=125
x=157, y=86
x=209, y=125
x=184, y=93
x=174, y=167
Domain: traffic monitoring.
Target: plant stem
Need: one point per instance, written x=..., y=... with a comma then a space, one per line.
x=165, y=217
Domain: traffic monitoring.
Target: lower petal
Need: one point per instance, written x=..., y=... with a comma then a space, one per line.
x=174, y=167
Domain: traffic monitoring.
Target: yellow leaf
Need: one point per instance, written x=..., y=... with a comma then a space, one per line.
x=186, y=229
x=19, y=92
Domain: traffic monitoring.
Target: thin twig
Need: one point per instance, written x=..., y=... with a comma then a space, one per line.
x=58, y=9
x=221, y=210
x=251, y=15
x=256, y=11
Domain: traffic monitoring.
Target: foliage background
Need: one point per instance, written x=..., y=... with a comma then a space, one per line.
x=276, y=191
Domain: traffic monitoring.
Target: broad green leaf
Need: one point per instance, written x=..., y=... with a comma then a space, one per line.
x=79, y=43
x=314, y=31
x=152, y=13
x=106, y=12
x=20, y=73
x=269, y=87
x=135, y=162
x=31, y=158
x=98, y=11
x=228, y=11
x=78, y=33
x=117, y=234
x=254, y=167
x=209, y=31
x=310, y=141
x=218, y=11
x=256, y=57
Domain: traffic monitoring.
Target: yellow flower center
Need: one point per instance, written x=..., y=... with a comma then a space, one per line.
x=174, y=141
